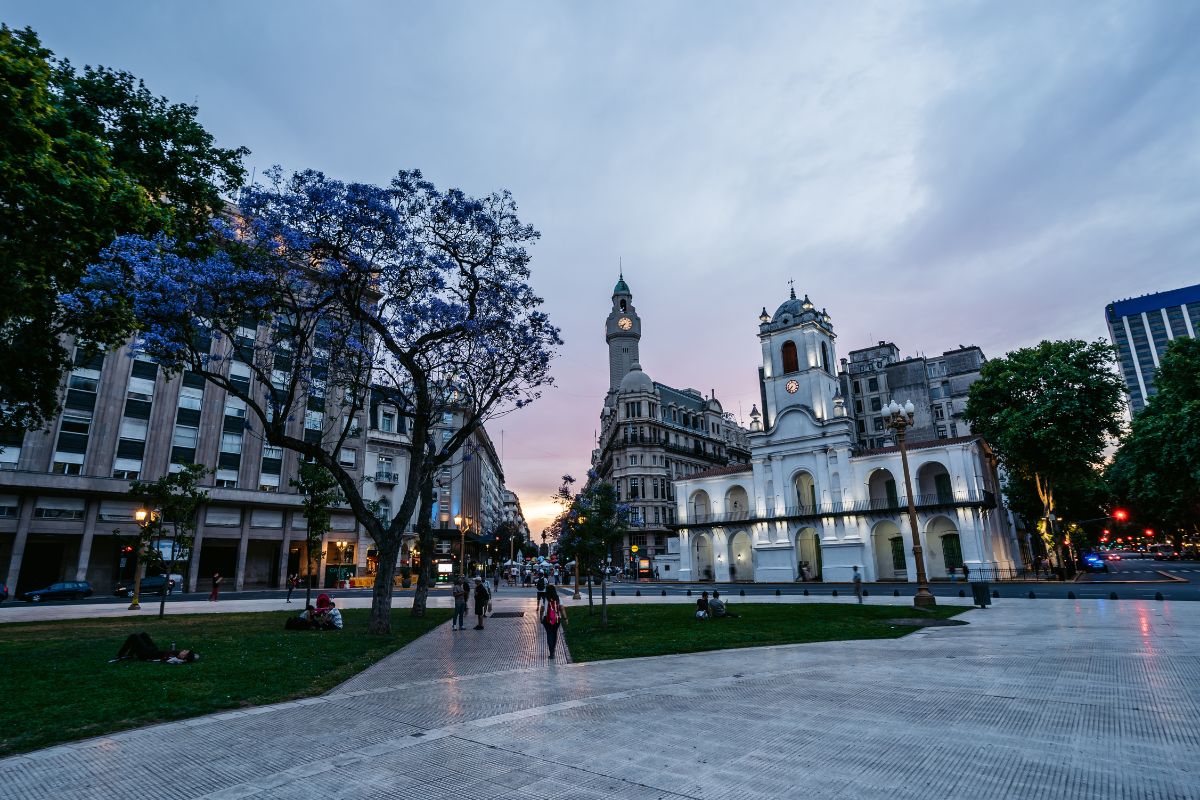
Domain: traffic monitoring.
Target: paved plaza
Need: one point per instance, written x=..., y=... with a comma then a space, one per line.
x=1036, y=699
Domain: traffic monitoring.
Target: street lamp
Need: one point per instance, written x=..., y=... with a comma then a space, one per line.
x=575, y=596
x=463, y=523
x=900, y=418
x=144, y=517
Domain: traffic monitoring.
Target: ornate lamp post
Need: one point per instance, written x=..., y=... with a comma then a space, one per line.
x=575, y=596
x=900, y=418
x=463, y=523
x=144, y=517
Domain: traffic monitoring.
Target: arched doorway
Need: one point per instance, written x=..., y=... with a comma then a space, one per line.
x=934, y=484
x=888, y=546
x=808, y=554
x=737, y=504
x=943, y=548
x=806, y=490
x=705, y=570
x=881, y=487
x=699, y=507
x=741, y=557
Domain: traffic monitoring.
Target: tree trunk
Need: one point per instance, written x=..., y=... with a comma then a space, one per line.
x=591, y=604
x=380, y=620
x=425, y=532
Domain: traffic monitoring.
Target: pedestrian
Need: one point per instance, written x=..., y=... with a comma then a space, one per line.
x=857, y=583
x=553, y=616
x=541, y=590
x=481, y=602
x=496, y=580
x=461, y=589
x=216, y=587
x=966, y=572
x=291, y=584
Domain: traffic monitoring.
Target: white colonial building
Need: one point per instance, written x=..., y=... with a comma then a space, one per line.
x=812, y=505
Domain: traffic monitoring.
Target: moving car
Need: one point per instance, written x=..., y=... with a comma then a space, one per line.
x=66, y=590
x=151, y=584
x=1094, y=562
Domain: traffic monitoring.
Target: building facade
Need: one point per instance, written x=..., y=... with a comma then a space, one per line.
x=64, y=491
x=812, y=504
x=1142, y=327
x=652, y=435
x=937, y=386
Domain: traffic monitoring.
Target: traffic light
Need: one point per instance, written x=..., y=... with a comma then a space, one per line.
x=1150, y=533
x=1120, y=514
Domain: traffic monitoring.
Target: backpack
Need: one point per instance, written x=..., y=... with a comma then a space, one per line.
x=541, y=584
x=552, y=614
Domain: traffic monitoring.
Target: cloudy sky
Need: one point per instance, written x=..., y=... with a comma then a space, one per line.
x=935, y=174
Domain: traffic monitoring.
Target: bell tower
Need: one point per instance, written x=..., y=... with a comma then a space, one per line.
x=798, y=361
x=622, y=331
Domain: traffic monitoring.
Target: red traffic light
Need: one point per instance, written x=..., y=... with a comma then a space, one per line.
x=1149, y=531
x=1120, y=514
x=127, y=549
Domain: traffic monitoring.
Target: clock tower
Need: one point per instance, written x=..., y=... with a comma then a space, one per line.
x=622, y=330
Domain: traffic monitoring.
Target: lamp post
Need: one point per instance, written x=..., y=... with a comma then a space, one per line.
x=900, y=418
x=463, y=523
x=143, y=517
x=575, y=596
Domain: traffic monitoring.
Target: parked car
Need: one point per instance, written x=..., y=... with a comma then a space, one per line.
x=67, y=590
x=151, y=584
x=1094, y=562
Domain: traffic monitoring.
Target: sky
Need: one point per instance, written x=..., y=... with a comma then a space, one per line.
x=935, y=174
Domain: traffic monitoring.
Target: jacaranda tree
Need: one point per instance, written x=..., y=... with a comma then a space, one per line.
x=317, y=293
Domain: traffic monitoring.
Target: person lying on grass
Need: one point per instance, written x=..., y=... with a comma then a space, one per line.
x=143, y=648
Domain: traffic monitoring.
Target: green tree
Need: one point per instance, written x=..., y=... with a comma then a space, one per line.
x=1048, y=411
x=1156, y=471
x=84, y=157
x=321, y=491
x=167, y=534
x=591, y=524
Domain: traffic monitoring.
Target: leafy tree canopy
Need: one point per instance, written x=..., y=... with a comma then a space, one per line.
x=84, y=157
x=321, y=297
x=1156, y=471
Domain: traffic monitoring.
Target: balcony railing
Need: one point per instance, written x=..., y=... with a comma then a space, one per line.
x=878, y=505
x=387, y=477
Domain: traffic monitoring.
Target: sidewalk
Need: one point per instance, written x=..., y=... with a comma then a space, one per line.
x=1077, y=700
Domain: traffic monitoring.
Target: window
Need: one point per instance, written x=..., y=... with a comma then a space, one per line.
x=825, y=365
x=857, y=386
x=633, y=461
x=227, y=478
x=387, y=422
x=347, y=457
x=941, y=431
x=952, y=551
x=873, y=385
x=876, y=404
x=231, y=443
x=858, y=406
x=791, y=362
x=239, y=375
x=879, y=423
x=954, y=429
x=898, y=555
x=191, y=398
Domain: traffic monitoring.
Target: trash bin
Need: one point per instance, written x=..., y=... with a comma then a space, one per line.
x=981, y=592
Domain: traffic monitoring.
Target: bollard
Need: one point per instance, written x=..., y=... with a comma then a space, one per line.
x=1112, y=596
x=806, y=592
x=664, y=594
x=895, y=593
x=777, y=593
x=638, y=593
x=995, y=594
x=689, y=592
x=742, y=592
x=866, y=593
x=835, y=592
x=613, y=593
x=1070, y=595
x=1032, y=596
x=961, y=593
x=1158, y=596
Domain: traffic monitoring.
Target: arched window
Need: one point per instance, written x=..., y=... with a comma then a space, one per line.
x=825, y=365
x=791, y=363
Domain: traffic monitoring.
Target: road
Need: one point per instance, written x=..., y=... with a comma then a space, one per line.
x=1130, y=580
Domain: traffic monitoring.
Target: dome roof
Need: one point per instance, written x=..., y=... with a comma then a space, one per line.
x=798, y=310
x=636, y=381
x=622, y=287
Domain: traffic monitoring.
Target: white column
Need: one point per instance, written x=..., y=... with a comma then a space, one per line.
x=18, y=552
x=284, y=548
x=239, y=576
x=91, y=510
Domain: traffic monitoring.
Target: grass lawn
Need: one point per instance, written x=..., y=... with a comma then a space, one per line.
x=61, y=688
x=657, y=630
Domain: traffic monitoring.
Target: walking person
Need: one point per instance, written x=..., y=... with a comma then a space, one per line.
x=553, y=617
x=291, y=585
x=541, y=590
x=966, y=573
x=496, y=580
x=857, y=583
x=459, y=621
x=482, y=596
x=216, y=587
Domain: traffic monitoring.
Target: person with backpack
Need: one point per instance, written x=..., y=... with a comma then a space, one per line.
x=541, y=590
x=553, y=617
x=482, y=597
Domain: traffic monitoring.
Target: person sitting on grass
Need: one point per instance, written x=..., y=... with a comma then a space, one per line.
x=143, y=648
x=702, y=606
x=716, y=607
x=326, y=616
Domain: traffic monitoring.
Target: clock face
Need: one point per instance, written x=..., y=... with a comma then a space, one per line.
x=792, y=386
x=624, y=323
